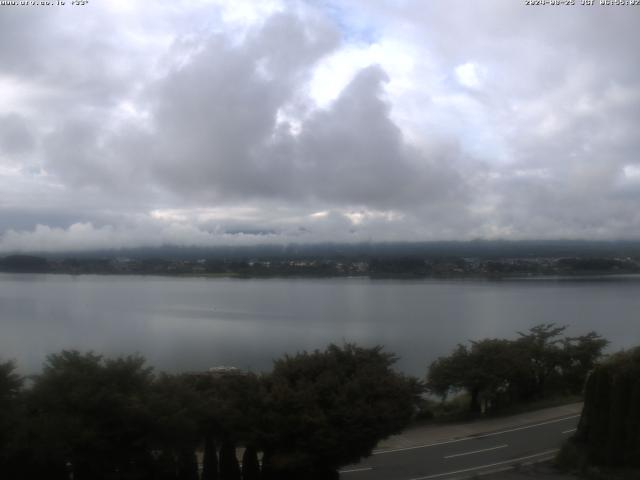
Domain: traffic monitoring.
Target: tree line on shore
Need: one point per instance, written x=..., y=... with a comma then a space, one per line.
x=103, y=418
x=497, y=373
x=397, y=266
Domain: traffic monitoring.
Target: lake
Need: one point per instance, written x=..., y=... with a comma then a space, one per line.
x=194, y=323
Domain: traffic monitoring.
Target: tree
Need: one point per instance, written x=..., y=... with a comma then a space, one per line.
x=178, y=411
x=496, y=372
x=329, y=408
x=541, y=345
x=495, y=365
x=91, y=413
x=10, y=416
x=10, y=383
x=609, y=429
x=447, y=374
x=488, y=372
x=232, y=406
x=581, y=355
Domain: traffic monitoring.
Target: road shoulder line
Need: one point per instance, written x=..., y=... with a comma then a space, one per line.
x=455, y=455
x=482, y=467
x=474, y=437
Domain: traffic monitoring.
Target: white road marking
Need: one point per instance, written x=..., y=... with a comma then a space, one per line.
x=364, y=469
x=476, y=451
x=526, y=427
x=513, y=460
x=569, y=431
x=485, y=435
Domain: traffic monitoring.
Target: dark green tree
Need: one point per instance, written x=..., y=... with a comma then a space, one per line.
x=10, y=383
x=231, y=405
x=498, y=372
x=178, y=410
x=542, y=347
x=495, y=365
x=447, y=374
x=488, y=371
x=609, y=429
x=91, y=413
x=329, y=408
x=580, y=356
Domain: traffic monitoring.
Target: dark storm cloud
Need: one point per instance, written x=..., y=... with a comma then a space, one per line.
x=214, y=118
x=354, y=153
x=231, y=146
x=215, y=133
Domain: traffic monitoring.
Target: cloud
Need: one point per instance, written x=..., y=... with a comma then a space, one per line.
x=469, y=75
x=316, y=121
x=86, y=236
x=15, y=137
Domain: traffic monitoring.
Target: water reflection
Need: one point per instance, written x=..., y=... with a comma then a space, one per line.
x=195, y=323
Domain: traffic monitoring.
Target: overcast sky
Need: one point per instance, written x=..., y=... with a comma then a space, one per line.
x=210, y=122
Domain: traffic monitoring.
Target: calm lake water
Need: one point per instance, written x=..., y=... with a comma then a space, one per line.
x=194, y=323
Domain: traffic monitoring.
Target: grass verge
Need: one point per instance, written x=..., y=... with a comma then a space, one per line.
x=457, y=409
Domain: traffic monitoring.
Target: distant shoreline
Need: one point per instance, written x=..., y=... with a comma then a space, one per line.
x=595, y=276
x=386, y=267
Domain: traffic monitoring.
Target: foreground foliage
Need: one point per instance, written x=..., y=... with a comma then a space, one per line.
x=328, y=409
x=101, y=419
x=610, y=424
x=606, y=445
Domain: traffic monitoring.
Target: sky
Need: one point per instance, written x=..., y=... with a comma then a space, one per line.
x=210, y=122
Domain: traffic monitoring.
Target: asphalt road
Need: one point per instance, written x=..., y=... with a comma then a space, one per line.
x=468, y=456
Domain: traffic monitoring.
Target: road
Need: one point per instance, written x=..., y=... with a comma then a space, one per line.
x=466, y=457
